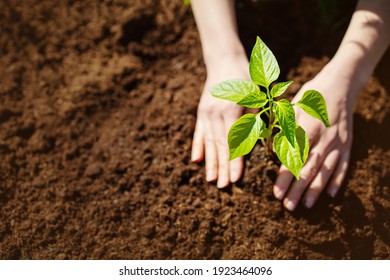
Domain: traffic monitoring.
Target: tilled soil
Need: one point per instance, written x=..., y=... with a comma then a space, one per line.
x=97, y=110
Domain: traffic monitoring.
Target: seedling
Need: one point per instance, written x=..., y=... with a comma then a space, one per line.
x=275, y=121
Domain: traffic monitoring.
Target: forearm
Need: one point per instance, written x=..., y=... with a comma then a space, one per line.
x=216, y=22
x=365, y=42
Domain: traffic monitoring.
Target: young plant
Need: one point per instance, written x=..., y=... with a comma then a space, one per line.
x=275, y=116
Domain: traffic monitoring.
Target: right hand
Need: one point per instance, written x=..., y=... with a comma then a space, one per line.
x=215, y=117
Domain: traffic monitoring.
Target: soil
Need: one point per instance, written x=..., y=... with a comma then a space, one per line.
x=97, y=110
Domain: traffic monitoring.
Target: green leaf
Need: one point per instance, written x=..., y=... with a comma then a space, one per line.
x=265, y=133
x=293, y=157
x=303, y=143
x=244, y=134
x=254, y=100
x=187, y=2
x=280, y=88
x=286, y=117
x=263, y=66
x=245, y=93
x=313, y=103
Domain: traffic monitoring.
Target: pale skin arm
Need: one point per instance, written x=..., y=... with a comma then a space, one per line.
x=364, y=43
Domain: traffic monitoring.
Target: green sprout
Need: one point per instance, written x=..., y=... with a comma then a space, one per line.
x=276, y=118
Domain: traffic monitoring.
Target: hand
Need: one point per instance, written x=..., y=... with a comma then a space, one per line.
x=330, y=149
x=215, y=117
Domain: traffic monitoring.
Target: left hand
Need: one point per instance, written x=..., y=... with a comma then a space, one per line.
x=330, y=147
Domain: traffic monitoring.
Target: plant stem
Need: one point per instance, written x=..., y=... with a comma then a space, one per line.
x=265, y=144
x=264, y=110
x=271, y=122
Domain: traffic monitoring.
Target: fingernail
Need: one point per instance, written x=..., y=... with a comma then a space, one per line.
x=279, y=194
x=234, y=176
x=210, y=175
x=222, y=182
x=309, y=202
x=194, y=157
x=333, y=193
x=209, y=178
x=289, y=205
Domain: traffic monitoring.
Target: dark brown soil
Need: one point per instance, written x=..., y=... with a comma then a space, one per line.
x=97, y=109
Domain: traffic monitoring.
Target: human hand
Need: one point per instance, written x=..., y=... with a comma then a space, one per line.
x=330, y=147
x=214, y=119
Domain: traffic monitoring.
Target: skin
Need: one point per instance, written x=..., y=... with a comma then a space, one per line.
x=340, y=81
x=218, y=29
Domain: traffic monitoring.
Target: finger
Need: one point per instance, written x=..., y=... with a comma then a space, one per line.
x=251, y=110
x=339, y=174
x=211, y=153
x=282, y=182
x=308, y=172
x=236, y=166
x=221, y=143
x=312, y=129
x=319, y=182
x=197, y=153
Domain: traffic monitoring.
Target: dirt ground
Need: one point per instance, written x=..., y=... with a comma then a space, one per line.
x=97, y=110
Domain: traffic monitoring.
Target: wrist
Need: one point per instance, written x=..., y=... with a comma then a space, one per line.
x=345, y=75
x=227, y=60
x=218, y=52
x=349, y=66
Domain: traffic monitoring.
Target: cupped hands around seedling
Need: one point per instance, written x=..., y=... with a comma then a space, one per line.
x=275, y=125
